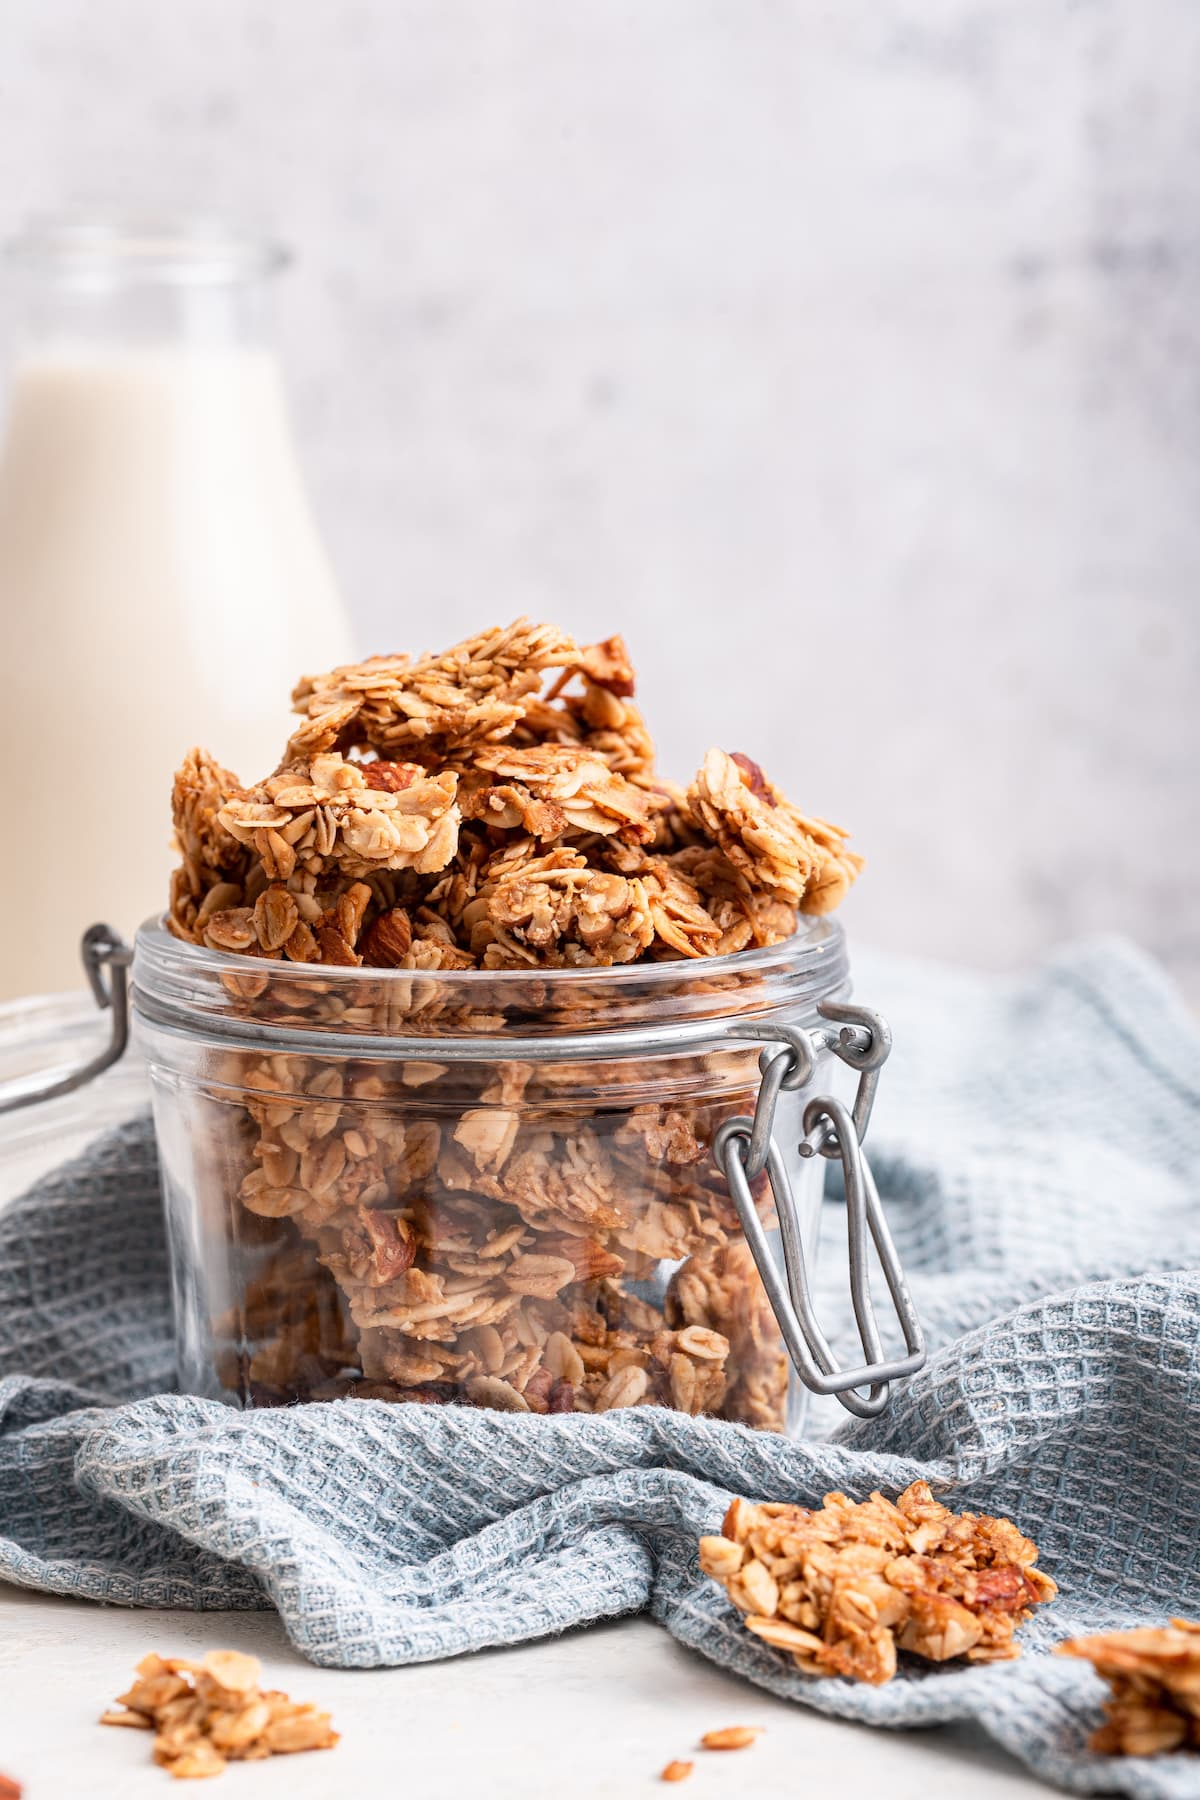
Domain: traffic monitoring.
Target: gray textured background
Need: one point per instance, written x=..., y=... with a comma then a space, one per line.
x=843, y=356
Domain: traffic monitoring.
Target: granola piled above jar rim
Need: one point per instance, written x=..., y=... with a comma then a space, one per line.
x=451, y=812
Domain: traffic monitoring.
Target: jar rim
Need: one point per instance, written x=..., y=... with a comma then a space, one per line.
x=633, y=1008
x=814, y=934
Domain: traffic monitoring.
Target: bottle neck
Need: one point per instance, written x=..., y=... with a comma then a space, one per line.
x=91, y=287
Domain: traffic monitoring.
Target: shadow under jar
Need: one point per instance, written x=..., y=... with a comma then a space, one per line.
x=492, y=1188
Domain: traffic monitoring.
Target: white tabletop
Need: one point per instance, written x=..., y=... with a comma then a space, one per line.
x=595, y=1713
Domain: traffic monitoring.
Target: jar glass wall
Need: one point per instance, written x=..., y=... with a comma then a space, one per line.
x=495, y=1189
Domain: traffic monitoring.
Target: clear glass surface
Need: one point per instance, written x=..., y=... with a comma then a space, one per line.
x=82, y=285
x=162, y=581
x=42, y=1039
x=492, y=1190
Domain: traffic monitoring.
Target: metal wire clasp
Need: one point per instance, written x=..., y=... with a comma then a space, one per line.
x=101, y=949
x=745, y=1147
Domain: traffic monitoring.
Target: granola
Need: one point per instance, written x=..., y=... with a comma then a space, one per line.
x=555, y=910
x=427, y=781
x=321, y=816
x=213, y=1712
x=800, y=859
x=477, y=691
x=1154, y=1674
x=843, y=1588
x=494, y=1235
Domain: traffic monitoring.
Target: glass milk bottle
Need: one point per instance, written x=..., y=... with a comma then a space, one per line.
x=161, y=579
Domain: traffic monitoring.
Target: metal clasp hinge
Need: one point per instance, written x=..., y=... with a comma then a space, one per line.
x=101, y=949
x=745, y=1147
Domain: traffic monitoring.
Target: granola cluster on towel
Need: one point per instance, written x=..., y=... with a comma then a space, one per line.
x=842, y=1588
x=504, y=1235
x=1154, y=1674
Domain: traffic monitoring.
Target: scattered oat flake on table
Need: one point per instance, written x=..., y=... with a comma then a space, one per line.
x=1154, y=1674
x=677, y=1771
x=843, y=1587
x=216, y=1711
x=731, y=1737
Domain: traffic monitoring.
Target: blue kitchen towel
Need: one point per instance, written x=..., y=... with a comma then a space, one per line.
x=1036, y=1143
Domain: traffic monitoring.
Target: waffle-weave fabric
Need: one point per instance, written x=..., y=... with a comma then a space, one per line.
x=1036, y=1142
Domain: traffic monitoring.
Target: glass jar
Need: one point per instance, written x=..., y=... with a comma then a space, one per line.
x=161, y=577
x=537, y=1191
x=42, y=1041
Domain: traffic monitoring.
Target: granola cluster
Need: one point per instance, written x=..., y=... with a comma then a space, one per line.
x=539, y=1239
x=841, y=1589
x=448, y=813
x=1154, y=1674
x=207, y=1714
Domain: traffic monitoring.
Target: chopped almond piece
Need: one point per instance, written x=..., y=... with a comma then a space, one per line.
x=731, y=1737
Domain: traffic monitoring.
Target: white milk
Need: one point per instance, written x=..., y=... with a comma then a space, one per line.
x=161, y=584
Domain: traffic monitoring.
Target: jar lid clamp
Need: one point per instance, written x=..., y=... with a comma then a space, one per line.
x=101, y=948
x=745, y=1147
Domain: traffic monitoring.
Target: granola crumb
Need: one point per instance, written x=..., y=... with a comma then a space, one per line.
x=731, y=1737
x=1154, y=1674
x=844, y=1587
x=677, y=1771
x=209, y=1713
